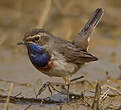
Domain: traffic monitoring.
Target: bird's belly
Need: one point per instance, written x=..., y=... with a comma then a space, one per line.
x=58, y=66
x=61, y=68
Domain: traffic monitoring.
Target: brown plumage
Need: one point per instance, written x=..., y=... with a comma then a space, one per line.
x=61, y=58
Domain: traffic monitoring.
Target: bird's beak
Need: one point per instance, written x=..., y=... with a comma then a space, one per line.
x=21, y=43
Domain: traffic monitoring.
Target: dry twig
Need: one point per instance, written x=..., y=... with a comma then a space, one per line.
x=8, y=97
x=112, y=88
x=95, y=105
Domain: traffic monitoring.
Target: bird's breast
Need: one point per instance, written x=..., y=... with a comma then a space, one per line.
x=38, y=56
x=46, y=68
x=56, y=65
x=39, y=60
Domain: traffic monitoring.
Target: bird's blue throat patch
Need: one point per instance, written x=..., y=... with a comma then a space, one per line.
x=38, y=55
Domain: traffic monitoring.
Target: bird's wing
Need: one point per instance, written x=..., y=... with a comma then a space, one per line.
x=76, y=55
x=83, y=37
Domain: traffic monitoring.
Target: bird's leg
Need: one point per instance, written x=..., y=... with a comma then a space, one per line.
x=68, y=85
x=67, y=82
x=44, y=86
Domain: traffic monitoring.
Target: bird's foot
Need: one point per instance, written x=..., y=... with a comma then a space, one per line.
x=49, y=86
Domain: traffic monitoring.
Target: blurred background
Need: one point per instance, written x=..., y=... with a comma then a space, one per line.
x=63, y=18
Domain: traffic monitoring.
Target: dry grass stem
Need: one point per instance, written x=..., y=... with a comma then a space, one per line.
x=95, y=105
x=8, y=98
x=104, y=95
x=27, y=107
x=45, y=15
x=112, y=88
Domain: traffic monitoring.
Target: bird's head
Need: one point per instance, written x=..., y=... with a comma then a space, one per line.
x=35, y=40
x=35, y=36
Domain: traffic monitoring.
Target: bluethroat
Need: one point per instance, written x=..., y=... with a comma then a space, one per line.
x=57, y=57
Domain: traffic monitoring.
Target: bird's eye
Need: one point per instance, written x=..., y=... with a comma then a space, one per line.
x=37, y=38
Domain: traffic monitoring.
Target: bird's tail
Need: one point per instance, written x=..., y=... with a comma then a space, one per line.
x=82, y=39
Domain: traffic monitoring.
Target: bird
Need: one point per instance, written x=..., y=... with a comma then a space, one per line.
x=57, y=57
